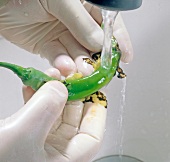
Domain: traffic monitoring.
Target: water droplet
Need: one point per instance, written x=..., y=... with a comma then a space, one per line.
x=20, y=1
x=43, y=1
x=25, y=13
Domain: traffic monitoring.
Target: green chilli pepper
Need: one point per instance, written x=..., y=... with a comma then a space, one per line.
x=77, y=88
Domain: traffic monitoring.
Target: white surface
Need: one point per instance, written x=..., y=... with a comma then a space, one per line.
x=147, y=111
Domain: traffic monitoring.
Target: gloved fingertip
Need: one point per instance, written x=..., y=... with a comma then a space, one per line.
x=94, y=40
x=53, y=72
x=27, y=93
x=125, y=45
x=56, y=88
x=65, y=65
x=83, y=66
x=127, y=56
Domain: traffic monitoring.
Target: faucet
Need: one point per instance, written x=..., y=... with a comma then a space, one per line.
x=117, y=5
x=110, y=9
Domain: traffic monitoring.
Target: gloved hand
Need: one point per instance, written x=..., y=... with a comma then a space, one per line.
x=42, y=131
x=62, y=31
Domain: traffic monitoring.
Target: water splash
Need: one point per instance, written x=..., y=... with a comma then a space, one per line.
x=121, y=119
x=108, y=22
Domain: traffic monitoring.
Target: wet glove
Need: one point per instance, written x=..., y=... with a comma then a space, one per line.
x=47, y=129
x=64, y=31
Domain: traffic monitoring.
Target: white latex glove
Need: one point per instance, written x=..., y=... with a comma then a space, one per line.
x=42, y=131
x=60, y=30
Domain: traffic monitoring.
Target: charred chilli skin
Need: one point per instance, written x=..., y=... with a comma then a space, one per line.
x=77, y=88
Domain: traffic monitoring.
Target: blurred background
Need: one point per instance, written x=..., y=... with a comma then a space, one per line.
x=145, y=130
